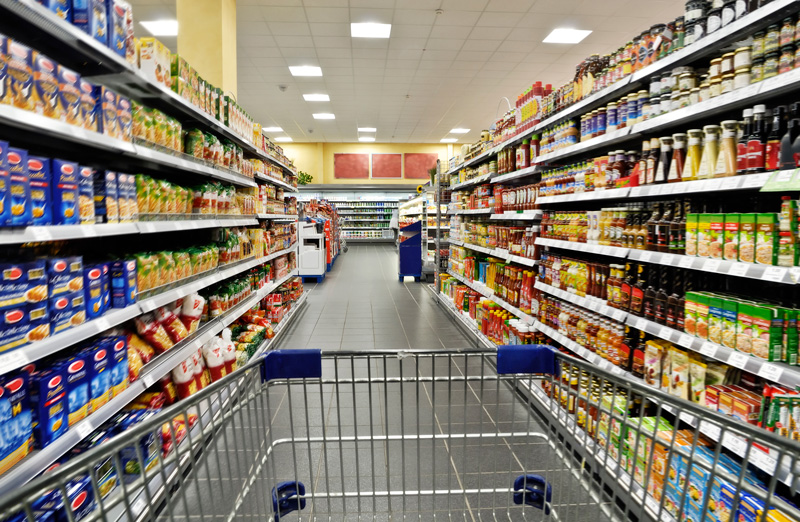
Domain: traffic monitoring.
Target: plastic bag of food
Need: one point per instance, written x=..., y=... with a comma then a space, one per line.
x=195, y=143
x=200, y=371
x=151, y=330
x=168, y=389
x=183, y=376
x=192, y=311
x=177, y=135
x=139, y=127
x=214, y=356
x=135, y=362
x=160, y=120
x=166, y=267
x=149, y=125
x=174, y=327
x=183, y=264
x=142, y=192
x=150, y=400
x=228, y=350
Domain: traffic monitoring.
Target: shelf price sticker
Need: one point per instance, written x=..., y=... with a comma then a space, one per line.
x=665, y=333
x=755, y=180
x=735, y=443
x=774, y=273
x=685, y=340
x=12, y=361
x=763, y=461
x=641, y=324
x=667, y=259
x=730, y=183
x=738, y=359
x=645, y=256
x=84, y=429
x=711, y=265
x=712, y=430
x=738, y=269
x=771, y=372
x=686, y=262
x=709, y=349
x=41, y=234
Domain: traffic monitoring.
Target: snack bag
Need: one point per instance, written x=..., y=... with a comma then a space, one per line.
x=200, y=371
x=228, y=350
x=169, y=390
x=135, y=361
x=191, y=311
x=183, y=376
x=148, y=327
x=174, y=327
x=214, y=356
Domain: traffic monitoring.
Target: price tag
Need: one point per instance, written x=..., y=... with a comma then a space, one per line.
x=148, y=380
x=755, y=180
x=651, y=504
x=40, y=233
x=774, y=273
x=711, y=265
x=102, y=324
x=641, y=324
x=645, y=256
x=738, y=359
x=606, y=250
x=147, y=228
x=794, y=274
x=784, y=176
x=665, y=333
x=762, y=460
x=713, y=184
x=84, y=429
x=138, y=506
x=712, y=430
x=709, y=349
x=619, y=315
x=12, y=361
x=685, y=340
x=738, y=269
x=667, y=259
x=770, y=372
x=731, y=183
x=686, y=262
x=735, y=443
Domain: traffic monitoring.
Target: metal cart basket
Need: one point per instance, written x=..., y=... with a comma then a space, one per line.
x=524, y=433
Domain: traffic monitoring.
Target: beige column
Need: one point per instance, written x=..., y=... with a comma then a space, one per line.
x=207, y=40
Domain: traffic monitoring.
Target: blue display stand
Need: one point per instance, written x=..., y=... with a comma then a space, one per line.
x=410, y=252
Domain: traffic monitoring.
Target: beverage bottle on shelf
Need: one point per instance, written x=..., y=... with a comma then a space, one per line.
x=637, y=358
x=664, y=161
x=677, y=236
x=756, y=142
x=652, y=227
x=694, y=154
x=643, y=162
x=773, y=153
x=726, y=159
x=663, y=228
x=787, y=160
x=675, y=299
x=626, y=348
x=708, y=161
x=625, y=288
x=675, y=173
x=741, y=148
x=662, y=296
x=652, y=161
x=648, y=301
x=637, y=292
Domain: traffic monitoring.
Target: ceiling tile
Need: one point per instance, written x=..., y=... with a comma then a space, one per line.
x=283, y=14
x=294, y=41
x=411, y=31
x=328, y=14
x=326, y=3
x=445, y=44
x=327, y=52
x=332, y=42
x=376, y=15
x=464, y=5
x=256, y=27
x=290, y=28
x=460, y=18
x=490, y=33
x=517, y=6
x=300, y=54
x=414, y=16
x=481, y=45
x=339, y=29
x=449, y=32
x=406, y=43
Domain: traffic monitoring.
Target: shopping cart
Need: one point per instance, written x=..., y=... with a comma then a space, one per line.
x=304, y=435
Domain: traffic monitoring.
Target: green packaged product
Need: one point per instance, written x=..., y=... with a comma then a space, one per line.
x=791, y=340
x=195, y=143
x=767, y=239
x=715, y=319
x=747, y=238
x=767, y=332
x=691, y=234
x=730, y=310
x=730, y=249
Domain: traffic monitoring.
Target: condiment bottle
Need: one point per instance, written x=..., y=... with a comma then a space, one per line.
x=787, y=159
x=756, y=142
x=726, y=159
x=674, y=299
x=678, y=158
x=741, y=148
x=710, y=150
x=662, y=170
x=652, y=161
x=648, y=305
x=694, y=154
x=772, y=160
x=652, y=227
x=643, y=162
x=676, y=232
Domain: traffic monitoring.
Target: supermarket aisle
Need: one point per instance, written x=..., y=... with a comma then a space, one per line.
x=361, y=306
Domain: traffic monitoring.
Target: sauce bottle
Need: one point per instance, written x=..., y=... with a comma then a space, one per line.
x=664, y=160
x=741, y=147
x=625, y=288
x=773, y=153
x=694, y=154
x=787, y=160
x=726, y=159
x=674, y=299
x=643, y=162
x=649, y=300
x=676, y=233
x=678, y=158
x=756, y=142
x=641, y=234
x=662, y=297
x=710, y=150
x=663, y=228
x=652, y=227
x=652, y=161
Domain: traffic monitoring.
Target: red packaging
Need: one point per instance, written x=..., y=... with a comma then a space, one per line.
x=175, y=328
x=153, y=332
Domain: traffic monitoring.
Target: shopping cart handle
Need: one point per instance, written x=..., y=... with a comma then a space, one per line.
x=291, y=364
x=526, y=358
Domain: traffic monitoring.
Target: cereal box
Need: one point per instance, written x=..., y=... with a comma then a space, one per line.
x=767, y=332
x=91, y=16
x=93, y=290
x=64, y=188
x=88, y=107
x=20, y=75
x=715, y=319
x=117, y=26
x=767, y=239
x=5, y=186
x=730, y=249
x=20, y=184
x=86, y=195
x=747, y=238
x=99, y=359
x=39, y=171
x=123, y=283
x=691, y=234
x=66, y=311
x=45, y=83
x=76, y=372
x=701, y=315
x=64, y=275
x=60, y=7
x=690, y=313
x=155, y=61
x=15, y=419
x=119, y=364
x=124, y=118
x=69, y=85
x=5, y=99
x=48, y=397
x=105, y=197
x=106, y=111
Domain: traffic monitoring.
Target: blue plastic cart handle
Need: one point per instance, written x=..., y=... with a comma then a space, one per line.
x=526, y=358
x=291, y=364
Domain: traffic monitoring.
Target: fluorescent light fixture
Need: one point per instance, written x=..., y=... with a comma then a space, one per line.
x=272, y=129
x=316, y=97
x=305, y=70
x=448, y=140
x=162, y=27
x=283, y=139
x=370, y=30
x=563, y=35
x=324, y=116
x=367, y=129
x=459, y=131
x=366, y=138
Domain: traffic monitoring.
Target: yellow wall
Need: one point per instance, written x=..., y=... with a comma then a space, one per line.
x=317, y=158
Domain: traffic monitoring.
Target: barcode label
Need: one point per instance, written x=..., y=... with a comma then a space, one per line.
x=738, y=359
x=686, y=262
x=770, y=371
x=84, y=429
x=685, y=340
x=708, y=349
x=711, y=265
x=645, y=256
x=774, y=273
x=738, y=269
x=665, y=333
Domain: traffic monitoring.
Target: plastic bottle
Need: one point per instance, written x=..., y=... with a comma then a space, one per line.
x=741, y=148
x=773, y=152
x=726, y=159
x=710, y=151
x=694, y=154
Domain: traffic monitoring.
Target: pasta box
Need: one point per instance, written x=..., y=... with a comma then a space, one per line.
x=15, y=420
x=123, y=283
x=106, y=277
x=117, y=26
x=76, y=373
x=21, y=213
x=64, y=275
x=69, y=87
x=22, y=283
x=5, y=186
x=65, y=192
x=91, y=16
x=124, y=118
x=155, y=61
x=105, y=197
x=4, y=96
x=20, y=75
x=66, y=311
x=118, y=350
x=86, y=195
x=88, y=105
x=45, y=83
x=93, y=290
x=106, y=111
x=39, y=171
x=126, y=186
x=23, y=324
x=49, y=400
x=60, y=7
x=98, y=357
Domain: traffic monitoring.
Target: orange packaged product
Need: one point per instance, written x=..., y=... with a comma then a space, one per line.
x=144, y=350
x=148, y=327
x=174, y=327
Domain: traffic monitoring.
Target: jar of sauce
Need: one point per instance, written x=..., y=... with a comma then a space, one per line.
x=700, y=28
x=726, y=65
x=741, y=58
x=641, y=99
x=715, y=87
x=695, y=9
x=727, y=83
x=622, y=112
x=771, y=65
x=714, y=20
x=655, y=106
x=694, y=96
x=601, y=121
x=683, y=99
x=708, y=162
x=786, y=60
x=714, y=68
x=689, y=34
x=772, y=39
x=757, y=70
x=728, y=12
x=687, y=81
x=705, y=91
x=632, y=107
x=611, y=117
x=787, y=32
x=742, y=78
x=694, y=152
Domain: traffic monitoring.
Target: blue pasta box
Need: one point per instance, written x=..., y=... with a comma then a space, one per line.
x=66, y=311
x=39, y=171
x=105, y=197
x=98, y=356
x=86, y=195
x=21, y=212
x=49, y=400
x=146, y=448
x=123, y=283
x=38, y=322
x=16, y=420
x=76, y=372
x=126, y=190
x=93, y=290
x=80, y=496
x=91, y=16
x=65, y=192
x=5, y=99
x=64, y=275
x=22, y=325
x=124, y=118
x=106, y=111
x=69, y=87
x=117, y=28
x=104, y=471
x=5, y=186
x=118, y=347
x=20, y=75
x=45, y=86
x=22, y=283
x=88, y=108
x=106, y=267
x=60, y=7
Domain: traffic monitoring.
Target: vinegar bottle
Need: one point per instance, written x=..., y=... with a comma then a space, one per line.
x=708, y=161
x=694, y=153
x=678, y=158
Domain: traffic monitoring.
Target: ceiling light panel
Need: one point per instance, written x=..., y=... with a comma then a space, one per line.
x=370, y=30
x=448, y=140
x=324, y=116
x=367, y=129
x=283, y=139
x=316, y=97
x=305, y=70
x=161, y=27
x=459, y=131
x=272, y=129
x=366, y=139
x=564, y=35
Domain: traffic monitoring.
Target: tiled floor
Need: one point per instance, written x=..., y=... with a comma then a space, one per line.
x=361, y=305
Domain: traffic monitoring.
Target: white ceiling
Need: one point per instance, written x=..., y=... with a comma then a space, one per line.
x=436, y=72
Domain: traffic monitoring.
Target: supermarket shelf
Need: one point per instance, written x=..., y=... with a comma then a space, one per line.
x=365, y=228
x=586, y=196
x=463, y=319
x=278, y=182
x=24, y=355
x=470, y=211
x=583, y=352
x=37, y=462
x=188, y=163
x=379, y=220
x=370, y=239
x=603, y=141
x=589, y=302
x=496, y=252
x=284, y=217
x=744, y=182
x=472, y=161
x=583, y=247
x=379, y=213
x=517, y=174
x=526, y=215
x=10, y=236
x=471, y=182
x=772, y=371
x=488, y=293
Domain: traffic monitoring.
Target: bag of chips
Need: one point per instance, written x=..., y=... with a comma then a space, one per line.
x=148, y=327
x=144, y=350
x=173, y=326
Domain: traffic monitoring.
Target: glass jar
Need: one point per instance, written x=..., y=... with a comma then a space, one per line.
x=726, y=66
x=757, y=47
x=772, y=39
x=757, y=71
x=678, y=35
x=655, y=106
x=715, y=88
x=714, y=20
x=683, y=99
x=728, y=12
x=741, y=58
x=655, y=86
x=699, y=29
x=742, y=78
x=611, y=117
x=787, y=32
x=694, y=96
x=771, y=65
x=714, y=69
x=687, y=81
x=695, y=9
x=786, y=60
x=705, y=91
x=727, y=83
x=797, y=57
x=666, y=103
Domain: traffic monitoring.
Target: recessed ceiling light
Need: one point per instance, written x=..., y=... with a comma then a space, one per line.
x=366, y=138
x=316, y=97
x=459, y=131
x=566, y=36
x=305, y=70
x=283, y=139
x=370, y=30
x=272, y=129
x=324, y=116
x=367, y=129
x=162, y=27
x=448, y=140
